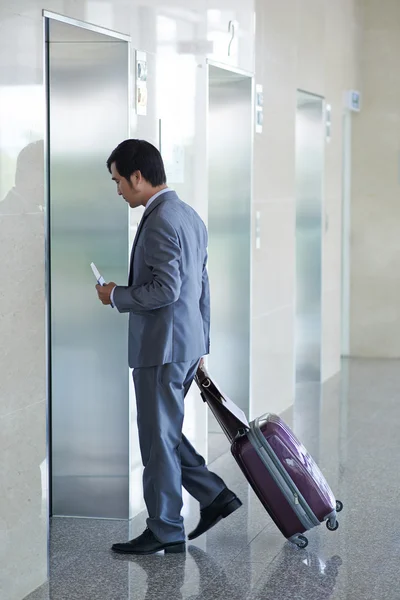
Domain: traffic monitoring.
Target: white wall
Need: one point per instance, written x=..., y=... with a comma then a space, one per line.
x=375, y=214
x=309, y=45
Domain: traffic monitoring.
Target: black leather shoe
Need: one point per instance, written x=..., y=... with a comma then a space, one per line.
x=147, y=543
x=223, y=506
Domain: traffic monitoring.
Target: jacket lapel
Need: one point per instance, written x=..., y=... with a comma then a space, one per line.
x=167, y=195
x=138, y=230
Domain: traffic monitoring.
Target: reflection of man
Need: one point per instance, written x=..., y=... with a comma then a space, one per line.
x=27, y=194
x=22, y=237
x=22, y=259
x=168, y=302
x=22, y=318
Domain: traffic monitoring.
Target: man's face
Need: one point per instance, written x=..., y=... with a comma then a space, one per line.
x=131, y=191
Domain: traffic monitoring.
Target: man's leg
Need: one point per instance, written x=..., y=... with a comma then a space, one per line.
x=160, y=408
x=216, y=500
x=201, y=483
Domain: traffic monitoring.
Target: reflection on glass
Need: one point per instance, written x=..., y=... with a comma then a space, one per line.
x=21, y=123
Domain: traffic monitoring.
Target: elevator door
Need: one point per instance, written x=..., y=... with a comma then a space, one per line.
x=309, y=190
x=88, y=117
x=229, y=181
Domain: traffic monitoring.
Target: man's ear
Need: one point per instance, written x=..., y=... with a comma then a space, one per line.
x=136, y=179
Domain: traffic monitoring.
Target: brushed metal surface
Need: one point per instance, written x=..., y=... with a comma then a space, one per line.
x=88, y=117
x=309, y=208
x=229, y=223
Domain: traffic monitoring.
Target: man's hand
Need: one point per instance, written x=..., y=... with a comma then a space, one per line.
x=104, y=292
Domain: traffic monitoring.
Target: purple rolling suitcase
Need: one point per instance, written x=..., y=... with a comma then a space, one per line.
x=281, y=472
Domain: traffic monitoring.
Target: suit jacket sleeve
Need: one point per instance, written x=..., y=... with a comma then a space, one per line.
x=205, y=305
x=162, y=255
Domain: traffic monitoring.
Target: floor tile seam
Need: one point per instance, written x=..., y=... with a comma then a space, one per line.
x=118, y=523
x=352, y=436
x=218, y=458
x=224, y=454
x=19, y=410
x=87, y=553
x=270, y=525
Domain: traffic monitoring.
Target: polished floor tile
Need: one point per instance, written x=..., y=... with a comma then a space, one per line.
x=351, y=426
x=217, y=446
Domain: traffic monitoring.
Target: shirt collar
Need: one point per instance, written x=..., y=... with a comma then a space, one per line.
x=156, y=196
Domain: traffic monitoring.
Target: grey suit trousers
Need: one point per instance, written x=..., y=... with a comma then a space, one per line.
x=169, y=459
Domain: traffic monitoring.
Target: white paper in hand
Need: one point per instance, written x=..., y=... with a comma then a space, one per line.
x=99, y=278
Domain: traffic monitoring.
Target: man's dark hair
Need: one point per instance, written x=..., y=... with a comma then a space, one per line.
x=138, y=155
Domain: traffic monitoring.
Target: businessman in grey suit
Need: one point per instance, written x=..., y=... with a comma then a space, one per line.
x=167, y=298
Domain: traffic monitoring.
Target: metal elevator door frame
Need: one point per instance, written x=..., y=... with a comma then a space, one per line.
x=346, y=232
x=230, y=125
x=310, y=156
x=88, y=89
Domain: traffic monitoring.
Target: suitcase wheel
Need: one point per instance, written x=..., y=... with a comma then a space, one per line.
x=339, y=506
x=332, y=526
x=301, y=542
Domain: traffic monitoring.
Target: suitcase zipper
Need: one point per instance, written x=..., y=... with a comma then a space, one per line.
x=301, y=502
x=280, y=481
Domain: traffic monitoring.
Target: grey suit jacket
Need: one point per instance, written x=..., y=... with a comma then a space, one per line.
x=167, y=297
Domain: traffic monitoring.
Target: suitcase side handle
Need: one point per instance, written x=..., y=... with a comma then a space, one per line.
x=204, y=382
